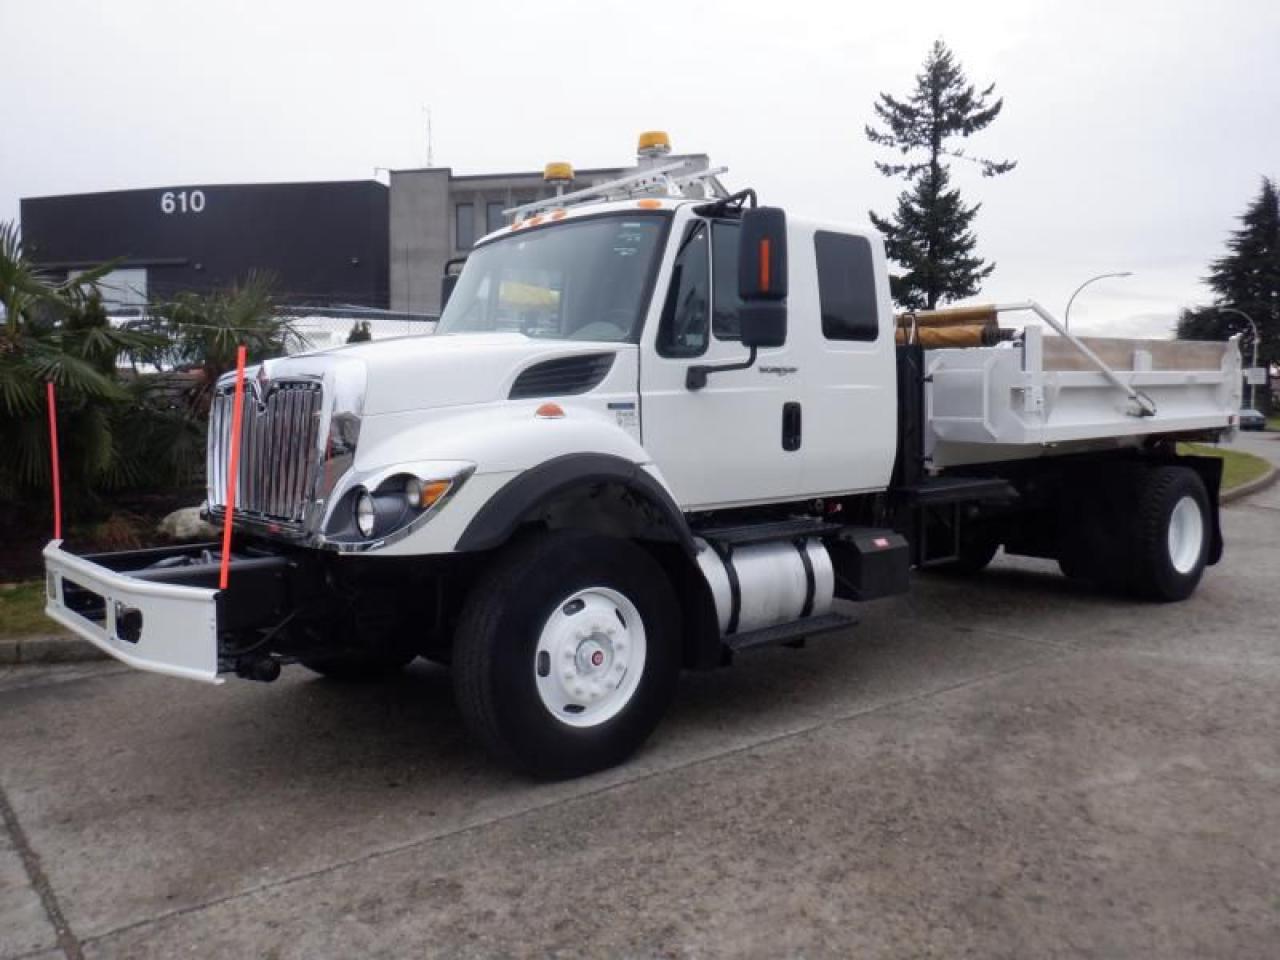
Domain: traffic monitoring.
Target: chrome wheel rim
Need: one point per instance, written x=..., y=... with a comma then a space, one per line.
x=590, y=657
x=1186, y=535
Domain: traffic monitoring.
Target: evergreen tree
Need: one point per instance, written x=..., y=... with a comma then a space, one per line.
x=930, y=233
x=1247, y=279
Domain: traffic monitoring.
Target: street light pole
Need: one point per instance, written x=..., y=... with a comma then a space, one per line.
x=1254, y=364
x=1066, y=317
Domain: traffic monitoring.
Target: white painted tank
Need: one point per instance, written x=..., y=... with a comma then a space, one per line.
x=774, y=583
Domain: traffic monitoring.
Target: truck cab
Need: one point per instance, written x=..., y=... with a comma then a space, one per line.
x=606, y=309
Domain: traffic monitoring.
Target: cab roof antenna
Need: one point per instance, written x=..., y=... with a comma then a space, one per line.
x=431, y=162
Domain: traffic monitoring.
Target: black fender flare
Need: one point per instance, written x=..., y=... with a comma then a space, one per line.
x=497, y=520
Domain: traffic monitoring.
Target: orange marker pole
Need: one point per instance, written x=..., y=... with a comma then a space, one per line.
x=53, y=458
x=233, y=468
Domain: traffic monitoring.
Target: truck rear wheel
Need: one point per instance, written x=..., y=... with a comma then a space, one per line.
x=566, y=653
x=977, y=547
x=1171, y=536
x=976, y=552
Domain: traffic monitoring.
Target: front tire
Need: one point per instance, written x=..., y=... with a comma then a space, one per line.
x=566, y=654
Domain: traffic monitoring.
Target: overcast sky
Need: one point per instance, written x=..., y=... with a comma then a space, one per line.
x=1140, y=129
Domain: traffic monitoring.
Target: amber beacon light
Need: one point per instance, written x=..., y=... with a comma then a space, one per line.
x=654, y=143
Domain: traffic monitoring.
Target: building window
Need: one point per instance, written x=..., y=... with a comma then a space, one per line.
x=493, y=218
x=464, y=226
x=846, y=287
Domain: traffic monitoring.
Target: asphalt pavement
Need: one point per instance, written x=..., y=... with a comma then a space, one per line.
x=1011, y=766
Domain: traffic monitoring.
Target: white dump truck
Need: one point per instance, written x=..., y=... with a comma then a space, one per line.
x=659, y=425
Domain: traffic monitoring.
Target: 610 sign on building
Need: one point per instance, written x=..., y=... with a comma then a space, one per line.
x=182, y=201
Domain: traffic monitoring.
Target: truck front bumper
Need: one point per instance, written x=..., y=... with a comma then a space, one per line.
x=156, y=610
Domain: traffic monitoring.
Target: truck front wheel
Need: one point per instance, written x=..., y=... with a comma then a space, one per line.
x=566, y=653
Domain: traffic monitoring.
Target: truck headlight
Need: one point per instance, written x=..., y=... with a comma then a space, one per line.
x=392, y=504
x=412, y=492
x=366, y=513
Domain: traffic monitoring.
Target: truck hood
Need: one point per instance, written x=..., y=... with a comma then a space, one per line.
x=416, y=373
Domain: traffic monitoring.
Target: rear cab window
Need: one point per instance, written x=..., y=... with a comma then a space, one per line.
x=846, y=287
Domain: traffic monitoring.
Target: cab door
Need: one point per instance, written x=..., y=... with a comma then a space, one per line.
x=737, y=440
x=841, y=320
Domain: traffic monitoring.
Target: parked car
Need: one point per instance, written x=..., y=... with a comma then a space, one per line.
x=1252, y=420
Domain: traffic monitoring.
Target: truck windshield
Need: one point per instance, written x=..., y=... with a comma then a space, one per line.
x=579, y=280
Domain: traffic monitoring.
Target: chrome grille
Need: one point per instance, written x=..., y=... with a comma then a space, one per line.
x=279, y=452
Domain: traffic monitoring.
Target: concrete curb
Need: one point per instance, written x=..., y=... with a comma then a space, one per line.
x=52, y=648
x=65, y=649
x=1252, y=486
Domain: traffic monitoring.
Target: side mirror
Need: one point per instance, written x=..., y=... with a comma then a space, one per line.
x=762, y=287
x=762, y=277
x=447, y=283
x=452, y=270
x=763, y=323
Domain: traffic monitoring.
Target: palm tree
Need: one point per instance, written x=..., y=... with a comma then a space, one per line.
x=37, y=345
x=202, y=331
x=115, y=432
x=56, y=331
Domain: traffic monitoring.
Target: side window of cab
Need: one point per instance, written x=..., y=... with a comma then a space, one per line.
x=725, y=302
x=846, y=287
x=683, y=330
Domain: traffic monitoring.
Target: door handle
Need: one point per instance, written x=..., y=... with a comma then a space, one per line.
x=791, y=426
